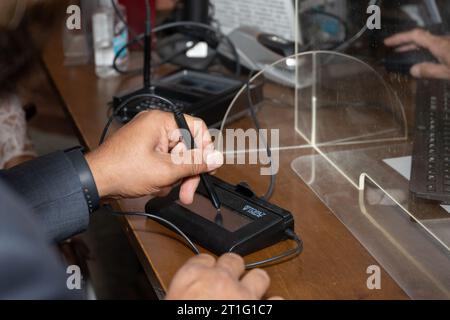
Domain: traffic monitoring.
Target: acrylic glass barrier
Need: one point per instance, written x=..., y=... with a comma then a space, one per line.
x=334, y=123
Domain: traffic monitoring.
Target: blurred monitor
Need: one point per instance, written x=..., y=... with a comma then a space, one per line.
x=443, y=8
x=268, y=16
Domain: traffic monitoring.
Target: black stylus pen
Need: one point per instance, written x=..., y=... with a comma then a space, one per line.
x=187, y=136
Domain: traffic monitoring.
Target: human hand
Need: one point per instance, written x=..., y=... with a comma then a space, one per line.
x=137, y=160
x=438, y=46
x=204, y=278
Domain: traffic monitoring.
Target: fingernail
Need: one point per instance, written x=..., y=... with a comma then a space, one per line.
x=415, y=71
x=214, y=160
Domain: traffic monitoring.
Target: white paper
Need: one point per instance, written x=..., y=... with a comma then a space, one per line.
x=401, y=165
x=274, y=16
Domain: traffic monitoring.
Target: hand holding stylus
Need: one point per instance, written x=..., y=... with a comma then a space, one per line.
x=137, y=160
x=190, y=144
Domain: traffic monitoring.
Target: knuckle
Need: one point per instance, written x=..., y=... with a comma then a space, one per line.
x=199, y=263
x=148, y=115
x=151, y=112
x=201, y=259
x=261, y=274
x=199, y=122
x=418, y=32
x=206, y=257
x=141, y=115
x=197, y=119
x=237, y=259
x=204, y=126
x=189, y=119
x=195, y=169
x=196, y=163
x=222, y=276
x=191, y=269
x=166, y=167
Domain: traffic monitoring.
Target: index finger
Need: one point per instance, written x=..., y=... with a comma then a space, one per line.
x=197, y=127
x=200, y=131
x=190, y=271
x=204, y=260
x=256, y=282
x=418, y=37
x=233, y=263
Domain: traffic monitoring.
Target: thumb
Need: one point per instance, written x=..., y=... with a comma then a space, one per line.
x=190, y=163
x=430, y=70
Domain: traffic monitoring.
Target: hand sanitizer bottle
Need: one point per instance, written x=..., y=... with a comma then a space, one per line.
x=103, y=36
x=120, y=36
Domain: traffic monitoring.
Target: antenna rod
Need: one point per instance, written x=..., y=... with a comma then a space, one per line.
x=148, y=46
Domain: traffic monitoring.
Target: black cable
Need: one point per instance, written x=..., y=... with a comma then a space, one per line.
x=148, y=45
x=184, y=24
x=118, y=53
x=346, y=44
x=177, y=53
x=289, y=254
x=125, y=103
x=167, y=223
x=124, y=21
x=206, y=27
x=341, y=21
x=251, y=107
x=156, y=65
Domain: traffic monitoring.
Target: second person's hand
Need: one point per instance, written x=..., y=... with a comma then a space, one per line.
x=204, y=277
x=439, y=46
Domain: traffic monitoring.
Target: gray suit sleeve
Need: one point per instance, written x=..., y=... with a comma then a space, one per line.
x=29, y=268
x=51, y=187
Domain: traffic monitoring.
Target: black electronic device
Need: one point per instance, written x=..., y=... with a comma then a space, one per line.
x=200, y=94
x=277, y=44
x=245, y=223
x=197, y=10
x=402, y=62
x=203, y=95
x=430, y=172
x=188, y=140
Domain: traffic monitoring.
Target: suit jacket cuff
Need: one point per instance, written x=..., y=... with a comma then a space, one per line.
x=50, y=185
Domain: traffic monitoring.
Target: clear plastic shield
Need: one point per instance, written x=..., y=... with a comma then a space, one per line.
x=337, y=125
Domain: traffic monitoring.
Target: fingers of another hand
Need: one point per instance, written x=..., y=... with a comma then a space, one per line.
x=198, y=272
x=193, y=269
x=431, y=70
x=418, y=37
x=256, y=282
x=407, y=47
x=190, y=272
x=233, y=263
x=204, y=260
